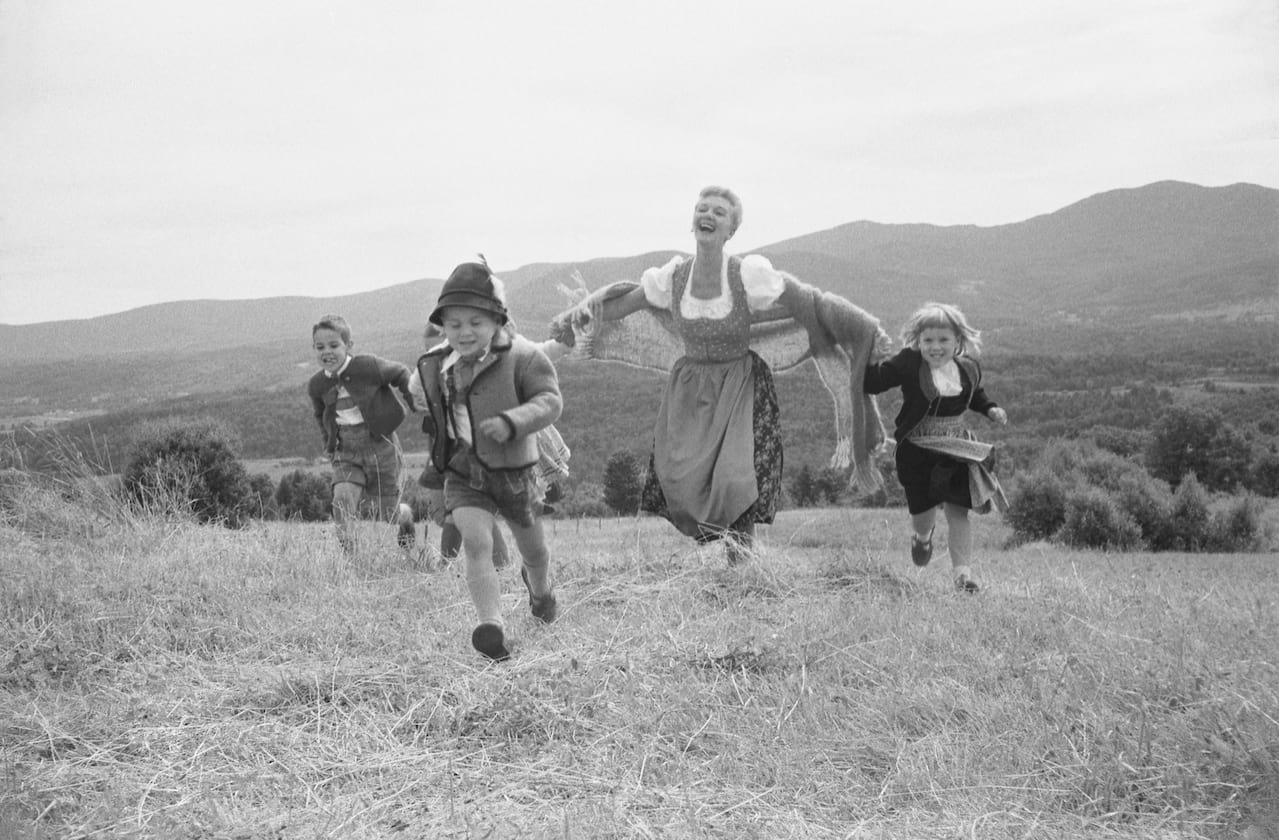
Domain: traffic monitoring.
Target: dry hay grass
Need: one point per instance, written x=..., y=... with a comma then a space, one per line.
x=187, y=682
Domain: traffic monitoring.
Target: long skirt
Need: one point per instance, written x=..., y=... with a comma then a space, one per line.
x=716, y=464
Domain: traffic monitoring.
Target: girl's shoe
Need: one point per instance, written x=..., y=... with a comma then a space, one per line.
x=922, y=552
x=964, y=583
x=489, y=640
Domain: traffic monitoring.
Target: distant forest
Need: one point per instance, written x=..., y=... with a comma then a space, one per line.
x=1118, y=380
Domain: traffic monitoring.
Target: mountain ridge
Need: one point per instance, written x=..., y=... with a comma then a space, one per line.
x=1166, y=249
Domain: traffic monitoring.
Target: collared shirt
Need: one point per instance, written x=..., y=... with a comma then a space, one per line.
x=348, y=413
x=456, y=374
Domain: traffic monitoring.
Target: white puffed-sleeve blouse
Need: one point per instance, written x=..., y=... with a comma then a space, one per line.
x=763, y=285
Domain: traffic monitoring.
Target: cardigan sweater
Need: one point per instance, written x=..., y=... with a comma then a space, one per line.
x=514, y=381
x=369, y=380
x=807, y=323
x=908, y=370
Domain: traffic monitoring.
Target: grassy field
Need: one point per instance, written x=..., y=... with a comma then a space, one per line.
x=164, y=680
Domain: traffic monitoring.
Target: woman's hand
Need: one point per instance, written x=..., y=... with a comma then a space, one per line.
x=998, y=415
x=562, y=324
x=562, y=329
x=883, y=346
x=496, y=429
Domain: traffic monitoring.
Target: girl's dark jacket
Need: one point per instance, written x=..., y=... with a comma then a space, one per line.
x=908, y=370
x=515, y=381
x=368, y=379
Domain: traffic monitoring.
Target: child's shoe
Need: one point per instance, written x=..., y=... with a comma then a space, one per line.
x=544, y=608
x=405, y=536
x=489, y=640
x=964, y=583
x=922, y=552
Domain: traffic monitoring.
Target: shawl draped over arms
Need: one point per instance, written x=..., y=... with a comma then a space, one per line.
x=807, y=323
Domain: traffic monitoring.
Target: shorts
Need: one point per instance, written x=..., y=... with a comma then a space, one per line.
x=511, y=494
x=373, y=463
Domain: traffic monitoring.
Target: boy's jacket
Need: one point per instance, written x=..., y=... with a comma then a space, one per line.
x=369, y=380
x=515, y=381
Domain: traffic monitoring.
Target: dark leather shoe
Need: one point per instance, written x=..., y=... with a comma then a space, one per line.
x=489, y=640
x=921, y=552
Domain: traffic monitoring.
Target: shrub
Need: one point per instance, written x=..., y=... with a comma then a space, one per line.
x=1193, y=439
x=622, y=482
x=829, y=484
x=260, y=502
x=304, y=495
x=1037, y=508
x=1123, y=442
x=585, y=500
x=181, y=467
x=1263, y=479
x=803, y=489
x=1149, y=502
x=1190, y=519
x=1093, y=519
x=1240, y=526
x=1107, y=470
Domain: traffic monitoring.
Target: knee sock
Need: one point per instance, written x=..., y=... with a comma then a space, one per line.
x=537, y=566
x=485, y=589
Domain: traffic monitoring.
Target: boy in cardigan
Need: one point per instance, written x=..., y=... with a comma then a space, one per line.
x=553, y=457
x=488, y=393
x=358, y=414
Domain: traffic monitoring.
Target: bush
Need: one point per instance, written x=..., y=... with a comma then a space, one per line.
x=1190, y=439
x=1263, y=478
x=1240, y=527
x=1149, y=502
x=260, y=503
x=1123, y=442
x=585, y=500
x=1107, y=470
x=829, y=484
x=1037, y=508
x=1093, y=519
x=1189, y=522
x=803, y=488
x=623, y=482
x=188, y=468
x=306, y=496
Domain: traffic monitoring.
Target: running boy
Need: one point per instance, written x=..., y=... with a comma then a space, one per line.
x=358, y=414
x=552, y=465
x=488, y=393
x=939, y=463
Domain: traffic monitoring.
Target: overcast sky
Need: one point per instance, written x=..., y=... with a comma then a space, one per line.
x=153, y=150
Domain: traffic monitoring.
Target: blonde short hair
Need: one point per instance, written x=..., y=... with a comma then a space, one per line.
x=729, y=196
x=942, y=316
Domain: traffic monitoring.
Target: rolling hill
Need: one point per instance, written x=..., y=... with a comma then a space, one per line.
x=1168, y=249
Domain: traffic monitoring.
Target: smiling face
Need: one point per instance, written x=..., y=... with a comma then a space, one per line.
x=468, y=331
x=713, y=220
x=938, y=345
x=331, y=349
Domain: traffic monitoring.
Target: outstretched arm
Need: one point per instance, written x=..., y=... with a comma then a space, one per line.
x=611, y=303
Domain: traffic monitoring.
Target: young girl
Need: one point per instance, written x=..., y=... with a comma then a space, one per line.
x=938, y=460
